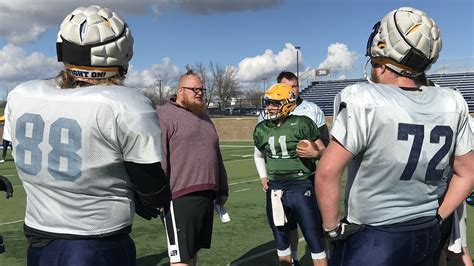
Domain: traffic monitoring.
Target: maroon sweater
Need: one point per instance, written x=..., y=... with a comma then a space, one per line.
x=191, y=156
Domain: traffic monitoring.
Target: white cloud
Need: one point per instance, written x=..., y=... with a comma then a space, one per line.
x=166, y=72
x=23, y=21
x=253, y=69
x=17, y=66
x=339, y=56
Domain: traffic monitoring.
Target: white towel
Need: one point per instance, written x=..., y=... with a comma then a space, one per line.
x=458, y=239
x=279, y=218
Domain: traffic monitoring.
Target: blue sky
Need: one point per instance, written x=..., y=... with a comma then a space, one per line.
x=257, y=37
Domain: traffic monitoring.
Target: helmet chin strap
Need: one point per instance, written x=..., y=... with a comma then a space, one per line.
x=367, y=76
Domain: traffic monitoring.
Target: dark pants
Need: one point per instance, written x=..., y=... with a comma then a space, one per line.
x=6, y=143
x=372, y=246
x=118, y=250
x=299, y=205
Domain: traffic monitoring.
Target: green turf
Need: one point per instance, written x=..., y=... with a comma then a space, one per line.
x=246, y=236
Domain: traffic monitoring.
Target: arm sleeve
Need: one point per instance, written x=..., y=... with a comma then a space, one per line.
x=324, y=134
x=151, y=184
x=320, y=119
x=259, y=159
x=464, y=134
x=351, y=127
x=139, y=133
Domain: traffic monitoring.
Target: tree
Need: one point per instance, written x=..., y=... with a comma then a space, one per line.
x=201, y=70
x=224, y=82
x=254, y=96
x=160, y=91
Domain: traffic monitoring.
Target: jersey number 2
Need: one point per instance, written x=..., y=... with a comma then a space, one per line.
x=65, y=139
x=432, y=174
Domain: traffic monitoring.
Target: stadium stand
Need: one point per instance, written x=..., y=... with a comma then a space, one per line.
x=323, y=92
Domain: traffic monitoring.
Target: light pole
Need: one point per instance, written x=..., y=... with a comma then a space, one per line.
x=264, y=88
x=298, y=65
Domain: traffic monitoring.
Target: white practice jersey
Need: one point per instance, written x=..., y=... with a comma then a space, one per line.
x=69, y=149
x=305, y=108
x=401, y=141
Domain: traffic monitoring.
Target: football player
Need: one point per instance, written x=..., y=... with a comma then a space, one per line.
x=312, y=111
x=87, y=149
x=288, y=185
x=397, y=136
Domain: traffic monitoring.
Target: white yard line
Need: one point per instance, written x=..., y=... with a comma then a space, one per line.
x=240, y=190
x=243, y=182
x=14, y=222
x=236, y=146
x=241, y=160
x=10, y=175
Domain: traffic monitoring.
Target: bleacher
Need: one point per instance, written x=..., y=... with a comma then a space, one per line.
x=323, y=92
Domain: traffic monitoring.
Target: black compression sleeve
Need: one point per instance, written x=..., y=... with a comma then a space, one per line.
x=150, y=181
x=324, y=134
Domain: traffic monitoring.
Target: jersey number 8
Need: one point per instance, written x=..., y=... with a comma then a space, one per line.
x=65, y=137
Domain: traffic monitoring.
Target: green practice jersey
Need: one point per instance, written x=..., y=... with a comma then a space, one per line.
x=279, y=145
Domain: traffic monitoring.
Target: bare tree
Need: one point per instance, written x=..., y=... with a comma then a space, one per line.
x=201, y=70
x=225, y=83
x=254, y=96
x=159, y=92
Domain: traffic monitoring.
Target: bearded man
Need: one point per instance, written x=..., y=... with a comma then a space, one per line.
x=194, y=166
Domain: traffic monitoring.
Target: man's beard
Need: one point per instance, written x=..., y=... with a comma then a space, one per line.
x=194, y=107
x=374, y=78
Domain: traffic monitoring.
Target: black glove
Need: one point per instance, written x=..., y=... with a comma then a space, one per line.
x=6, y=186
x=470, y=199
x=2, y=245
x=342, y=231
x=144, y=211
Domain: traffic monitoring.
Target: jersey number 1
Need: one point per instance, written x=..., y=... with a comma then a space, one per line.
x=282, y=142
x=29, y=133
x=432, y=174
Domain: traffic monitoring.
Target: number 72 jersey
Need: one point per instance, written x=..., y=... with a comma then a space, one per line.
x=402, y=142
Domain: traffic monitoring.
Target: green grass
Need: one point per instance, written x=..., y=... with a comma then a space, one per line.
x=246, y=236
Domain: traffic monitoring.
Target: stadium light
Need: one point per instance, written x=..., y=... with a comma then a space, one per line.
x=298, y=65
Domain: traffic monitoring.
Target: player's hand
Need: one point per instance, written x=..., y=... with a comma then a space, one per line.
x=145, y=211
x=307, y=149
x=264, y=181
x=342, y=231
x=470, y=199
x=6, y=186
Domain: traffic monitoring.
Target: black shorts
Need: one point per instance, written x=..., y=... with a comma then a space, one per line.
x=188, y=225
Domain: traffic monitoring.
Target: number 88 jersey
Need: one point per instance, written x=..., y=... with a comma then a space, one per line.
x=279, y=145
x=69, y=146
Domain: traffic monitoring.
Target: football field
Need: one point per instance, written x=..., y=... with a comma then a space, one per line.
x=246, y=240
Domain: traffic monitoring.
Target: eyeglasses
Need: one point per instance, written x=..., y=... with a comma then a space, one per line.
x=195, y=90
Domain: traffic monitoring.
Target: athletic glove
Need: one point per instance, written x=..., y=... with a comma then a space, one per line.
x=6, y=186
x=342, y=231
x=144, y=211
x=470, y=199
x=2, y=245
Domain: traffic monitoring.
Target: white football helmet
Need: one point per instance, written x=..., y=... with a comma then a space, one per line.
x=94, y=38
x=406, y=40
